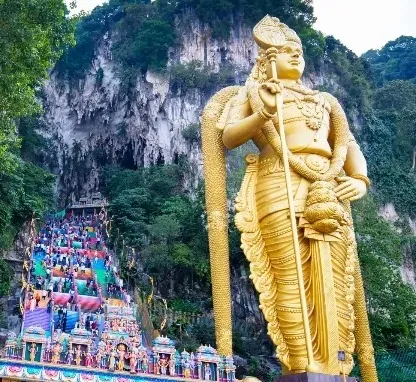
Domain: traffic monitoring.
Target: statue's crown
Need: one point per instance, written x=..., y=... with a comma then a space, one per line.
x=271, y=32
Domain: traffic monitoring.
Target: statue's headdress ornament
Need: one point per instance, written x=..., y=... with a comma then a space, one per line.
x=271, y=32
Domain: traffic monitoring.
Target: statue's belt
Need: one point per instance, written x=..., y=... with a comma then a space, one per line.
x=274, y=164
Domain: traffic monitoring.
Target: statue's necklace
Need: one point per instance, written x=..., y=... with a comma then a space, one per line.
x=311, y=104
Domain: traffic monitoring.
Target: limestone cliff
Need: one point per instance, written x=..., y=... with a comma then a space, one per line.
x=95, y=123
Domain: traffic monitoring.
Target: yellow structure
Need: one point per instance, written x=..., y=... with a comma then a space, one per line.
x=293, y=210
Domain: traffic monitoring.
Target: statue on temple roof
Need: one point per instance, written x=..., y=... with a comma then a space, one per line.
x=133, y=360
x=33, y=350
x=112, y=360
x=78, y=355
x=69, y=357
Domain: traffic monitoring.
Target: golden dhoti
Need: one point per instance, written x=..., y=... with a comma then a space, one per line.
x=324, y=260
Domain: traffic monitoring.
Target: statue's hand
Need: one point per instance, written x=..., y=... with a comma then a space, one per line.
x=350, y=189
x=267, y=93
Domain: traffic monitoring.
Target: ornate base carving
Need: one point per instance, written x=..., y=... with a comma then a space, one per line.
x=312, y=377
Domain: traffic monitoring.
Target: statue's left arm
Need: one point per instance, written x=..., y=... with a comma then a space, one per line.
x=355, y=162
x=354, y=185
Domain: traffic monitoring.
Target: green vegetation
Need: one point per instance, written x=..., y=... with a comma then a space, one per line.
x=392, y=311
x=395, y=104
x=145, y=30
x=6, y=275
x=193, y=75
x=192, y=133
x=351, y=73
x=89, y=30
x=220, y=15
x=164, y=225
x=395, y=61
x=25, y=191
x=33, y=35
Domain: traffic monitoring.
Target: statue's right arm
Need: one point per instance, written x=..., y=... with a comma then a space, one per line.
x=241, y=125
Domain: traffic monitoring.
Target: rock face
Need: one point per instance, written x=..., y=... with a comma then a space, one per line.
x=407, y=269
x=95, y=122
x=10, y=318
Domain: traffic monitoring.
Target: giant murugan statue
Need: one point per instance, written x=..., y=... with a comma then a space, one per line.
x=293, y=211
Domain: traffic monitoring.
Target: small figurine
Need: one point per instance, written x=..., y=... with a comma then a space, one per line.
x=121, y=353
x=172, y=365
x=207, y=372
x=33, y=350
x=47, y=354
x=98, y=358
x=163, y=365
x=145, y=363
x=78, y=354
x=193, y=365
x=186, y=368
x=133, y=361
x=88, y=359
x=69, y=357
x=140, y=360
x=112, y=361
x=56, y=353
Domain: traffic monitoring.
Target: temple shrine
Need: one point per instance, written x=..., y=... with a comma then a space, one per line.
x=79, y=322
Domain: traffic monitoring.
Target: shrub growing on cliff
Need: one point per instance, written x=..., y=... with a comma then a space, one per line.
x=6, y=275
x=194, y=75
x=146, y=30
x=192, y=133
x=395, y=61
x=89, y=30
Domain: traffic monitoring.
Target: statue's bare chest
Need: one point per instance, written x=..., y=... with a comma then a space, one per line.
x=308, y=108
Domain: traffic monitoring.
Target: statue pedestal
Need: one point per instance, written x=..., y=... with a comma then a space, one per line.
x=312, y=377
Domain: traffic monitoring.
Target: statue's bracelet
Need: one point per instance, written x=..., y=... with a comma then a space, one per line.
x=364, y=178
x=264, y=114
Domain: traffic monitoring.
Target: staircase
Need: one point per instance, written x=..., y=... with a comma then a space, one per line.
x=38, y=317
x=71, y=319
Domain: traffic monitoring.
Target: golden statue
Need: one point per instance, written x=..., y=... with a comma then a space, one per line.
x=293, y=211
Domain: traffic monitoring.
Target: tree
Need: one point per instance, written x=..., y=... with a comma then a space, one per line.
x=395, y=61
x=150, y=209
x=396, y=103
x=33, y=35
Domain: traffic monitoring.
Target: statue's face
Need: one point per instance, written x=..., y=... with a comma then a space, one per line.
x=290, y=62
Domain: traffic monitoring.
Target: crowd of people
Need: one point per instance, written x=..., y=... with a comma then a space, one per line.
x=66, y=255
